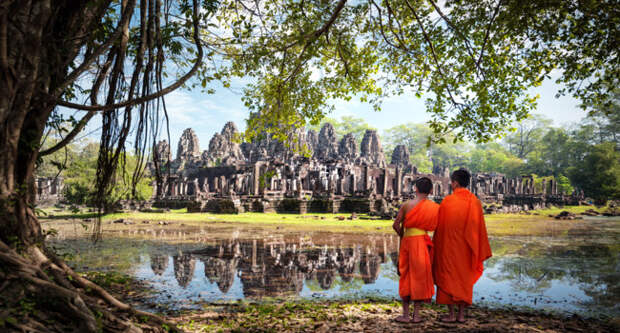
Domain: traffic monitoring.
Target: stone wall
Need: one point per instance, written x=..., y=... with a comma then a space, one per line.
x=49, y=190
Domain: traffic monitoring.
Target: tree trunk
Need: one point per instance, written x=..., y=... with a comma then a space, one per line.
x=39, y=40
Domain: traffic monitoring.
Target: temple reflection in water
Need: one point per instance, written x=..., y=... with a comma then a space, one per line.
x=277, y=267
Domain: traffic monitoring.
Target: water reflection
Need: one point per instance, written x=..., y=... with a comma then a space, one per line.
x=533, y=272
x=159, y=263
x=574, y=272
x=586, y=274
x=184, y=265
x=273, y=267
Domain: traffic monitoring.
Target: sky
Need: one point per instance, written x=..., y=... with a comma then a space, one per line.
x=207, y=113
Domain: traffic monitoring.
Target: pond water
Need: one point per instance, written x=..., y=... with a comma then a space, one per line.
x=576, y=271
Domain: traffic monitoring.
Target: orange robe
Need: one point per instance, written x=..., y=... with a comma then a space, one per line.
x=414, y=260
x=461, y=247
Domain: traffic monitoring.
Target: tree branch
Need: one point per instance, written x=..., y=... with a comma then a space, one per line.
x=152, y=96
x=486, y=36
x=432, y=49
x=315, y=35
x=67, y=139
x=99, y=50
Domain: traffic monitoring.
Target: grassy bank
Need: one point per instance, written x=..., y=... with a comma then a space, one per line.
x=325, y=222
x=536, y=222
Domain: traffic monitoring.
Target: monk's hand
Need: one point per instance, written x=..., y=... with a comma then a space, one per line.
x=398, y=229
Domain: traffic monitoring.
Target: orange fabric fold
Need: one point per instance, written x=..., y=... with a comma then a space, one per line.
x=461, y=246
x=415, y=257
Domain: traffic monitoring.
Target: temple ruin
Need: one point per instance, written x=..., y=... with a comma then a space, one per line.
x=334, y=177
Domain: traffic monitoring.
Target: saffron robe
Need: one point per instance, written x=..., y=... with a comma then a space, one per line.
x=461, y=247
x=414, y=260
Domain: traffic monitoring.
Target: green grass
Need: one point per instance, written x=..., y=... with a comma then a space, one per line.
x=545, y=212
x=534, y=223
x=329, y=222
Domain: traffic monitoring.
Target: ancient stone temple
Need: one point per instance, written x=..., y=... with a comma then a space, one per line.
x=400, y=156
x=371, y=150
x=49, y=189
x=162, y=152
x=327, y=148
x=272, y=176
x=224, y=148
x=188, y=147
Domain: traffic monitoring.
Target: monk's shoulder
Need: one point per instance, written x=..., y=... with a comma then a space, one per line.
x=407, y=205
x=432, y=204
x=447, y=199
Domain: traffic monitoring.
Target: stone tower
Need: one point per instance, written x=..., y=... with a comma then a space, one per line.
x=188, y=147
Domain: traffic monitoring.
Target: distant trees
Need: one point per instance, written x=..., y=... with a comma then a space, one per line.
x=527, y=135
x=585, y=155
x=77, y=163
x=598, y=174
x=347, y=124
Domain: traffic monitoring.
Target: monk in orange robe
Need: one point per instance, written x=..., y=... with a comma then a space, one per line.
x=415, y=218
x=461, y=247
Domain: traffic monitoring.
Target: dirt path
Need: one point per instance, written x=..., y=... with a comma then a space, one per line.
x=372, y=316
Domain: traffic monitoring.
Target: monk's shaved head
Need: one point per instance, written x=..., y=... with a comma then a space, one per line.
x=461, y=176
x=424, y=185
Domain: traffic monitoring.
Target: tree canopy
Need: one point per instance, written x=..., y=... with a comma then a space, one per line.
x=474, y=61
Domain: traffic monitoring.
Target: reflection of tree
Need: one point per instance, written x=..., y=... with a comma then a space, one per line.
x=184, y=265
x=593, y=267
x=159, y=263
x=525, y=274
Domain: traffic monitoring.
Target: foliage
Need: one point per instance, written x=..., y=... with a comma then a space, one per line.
x=564, y=185
x=598, y=174
x=474, y=60
x=527, y=135
x=79, y=173
x=494, y=158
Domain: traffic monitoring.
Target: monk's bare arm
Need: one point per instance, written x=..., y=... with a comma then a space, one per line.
x=397, y=226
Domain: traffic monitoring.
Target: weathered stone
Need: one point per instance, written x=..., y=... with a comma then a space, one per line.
x=162, y=151
x=246, y=149
x=327, y=148
x=371, y=150
x=223, y=148
x=312, y=139
x=189, y=147
x=230, y=131
x=337, y=180
x=400, y=155
x=347, y=149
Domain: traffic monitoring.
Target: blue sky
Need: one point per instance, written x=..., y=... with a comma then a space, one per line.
x=207, y=114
